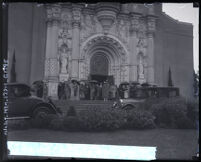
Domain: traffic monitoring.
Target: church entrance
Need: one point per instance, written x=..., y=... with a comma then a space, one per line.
x=99, y=68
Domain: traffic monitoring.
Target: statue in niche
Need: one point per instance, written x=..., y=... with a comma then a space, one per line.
x=141, y=67
x=64, y=60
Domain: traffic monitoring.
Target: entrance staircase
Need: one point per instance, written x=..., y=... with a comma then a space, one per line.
x=82, y=104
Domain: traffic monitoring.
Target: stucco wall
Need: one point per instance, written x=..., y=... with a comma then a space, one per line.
x=174, y=49
x=26, y=35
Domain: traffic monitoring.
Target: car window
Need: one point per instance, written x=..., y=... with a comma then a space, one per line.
x=11, y=92
x=21, y=91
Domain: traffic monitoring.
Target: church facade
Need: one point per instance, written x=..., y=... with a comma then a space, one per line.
x=126, y=42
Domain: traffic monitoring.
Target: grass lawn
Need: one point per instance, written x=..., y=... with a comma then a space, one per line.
x=170, y=143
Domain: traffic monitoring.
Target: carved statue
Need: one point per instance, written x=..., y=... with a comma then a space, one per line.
x=64, y=61
x=141, y=67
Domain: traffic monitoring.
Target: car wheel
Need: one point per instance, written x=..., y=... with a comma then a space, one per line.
x=41, y=117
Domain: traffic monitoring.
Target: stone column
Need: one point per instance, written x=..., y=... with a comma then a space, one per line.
x=150, y=48
x=51, y=59
x=76, y=11
x=133, y=46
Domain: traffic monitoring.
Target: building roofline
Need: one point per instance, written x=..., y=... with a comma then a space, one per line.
x=175, y=20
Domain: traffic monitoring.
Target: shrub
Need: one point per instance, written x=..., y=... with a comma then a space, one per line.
x=71, y=123
x=18, y=124
x=43, y=123
x=139, y=119
x=193, y=110
x=171, y=113
x=56, y=123
x=71, y=111
x=100, y=119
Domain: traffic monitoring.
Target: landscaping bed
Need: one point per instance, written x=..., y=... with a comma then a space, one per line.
x=154, y=113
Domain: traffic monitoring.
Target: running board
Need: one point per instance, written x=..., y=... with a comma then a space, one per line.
x=18, y=118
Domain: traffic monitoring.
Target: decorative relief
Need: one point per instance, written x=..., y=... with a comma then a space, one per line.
x=142, y=29
x=53, y=12
x=124, y=73
x=76, y=14
x=53, y=64
x=64, y=38
x=141, y=35
x=47, y=67
x=151, y=24
x=134, y=26
x=87, y=26
x=122, y=30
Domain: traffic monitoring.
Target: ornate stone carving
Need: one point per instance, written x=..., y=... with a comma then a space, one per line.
x=87, y=26
x=53, y=13
x=106, y=15
x=53, y=66
x=134, y=22
x=47, y=67
x=76, y=14
x=122, y=30
x=151, y=24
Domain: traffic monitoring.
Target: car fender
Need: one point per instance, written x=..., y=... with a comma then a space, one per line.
x=128, y=104
x=49, y=106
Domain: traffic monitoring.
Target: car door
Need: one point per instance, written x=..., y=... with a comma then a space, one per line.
x=18, y=102
x=12, y=111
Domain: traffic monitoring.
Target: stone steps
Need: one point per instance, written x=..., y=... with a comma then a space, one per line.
x=82, y=104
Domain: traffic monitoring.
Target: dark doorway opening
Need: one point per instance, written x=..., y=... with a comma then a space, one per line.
x=102, y=78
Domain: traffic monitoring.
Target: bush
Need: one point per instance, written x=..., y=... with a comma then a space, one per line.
x=139, y=119
x=171, y=113
x=193, y=110
x=18, y=124
x=71, y=123
x=71, y=111
x=56, y=123
x=43, y=123
x=100, y=119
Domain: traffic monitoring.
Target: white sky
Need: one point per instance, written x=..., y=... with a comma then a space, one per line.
x=187, y=13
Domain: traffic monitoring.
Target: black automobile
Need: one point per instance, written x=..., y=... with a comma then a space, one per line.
x=140, y=94
x=23, y=105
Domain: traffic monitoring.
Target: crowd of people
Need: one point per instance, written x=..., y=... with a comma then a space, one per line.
x=91, y=90
x=87, y=90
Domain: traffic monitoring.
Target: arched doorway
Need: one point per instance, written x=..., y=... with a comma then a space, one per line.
x=104, y=55
x=99, y=67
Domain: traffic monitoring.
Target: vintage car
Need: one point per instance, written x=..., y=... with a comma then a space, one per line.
x=130, y=103
x=23, y=105
x=140, y=94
